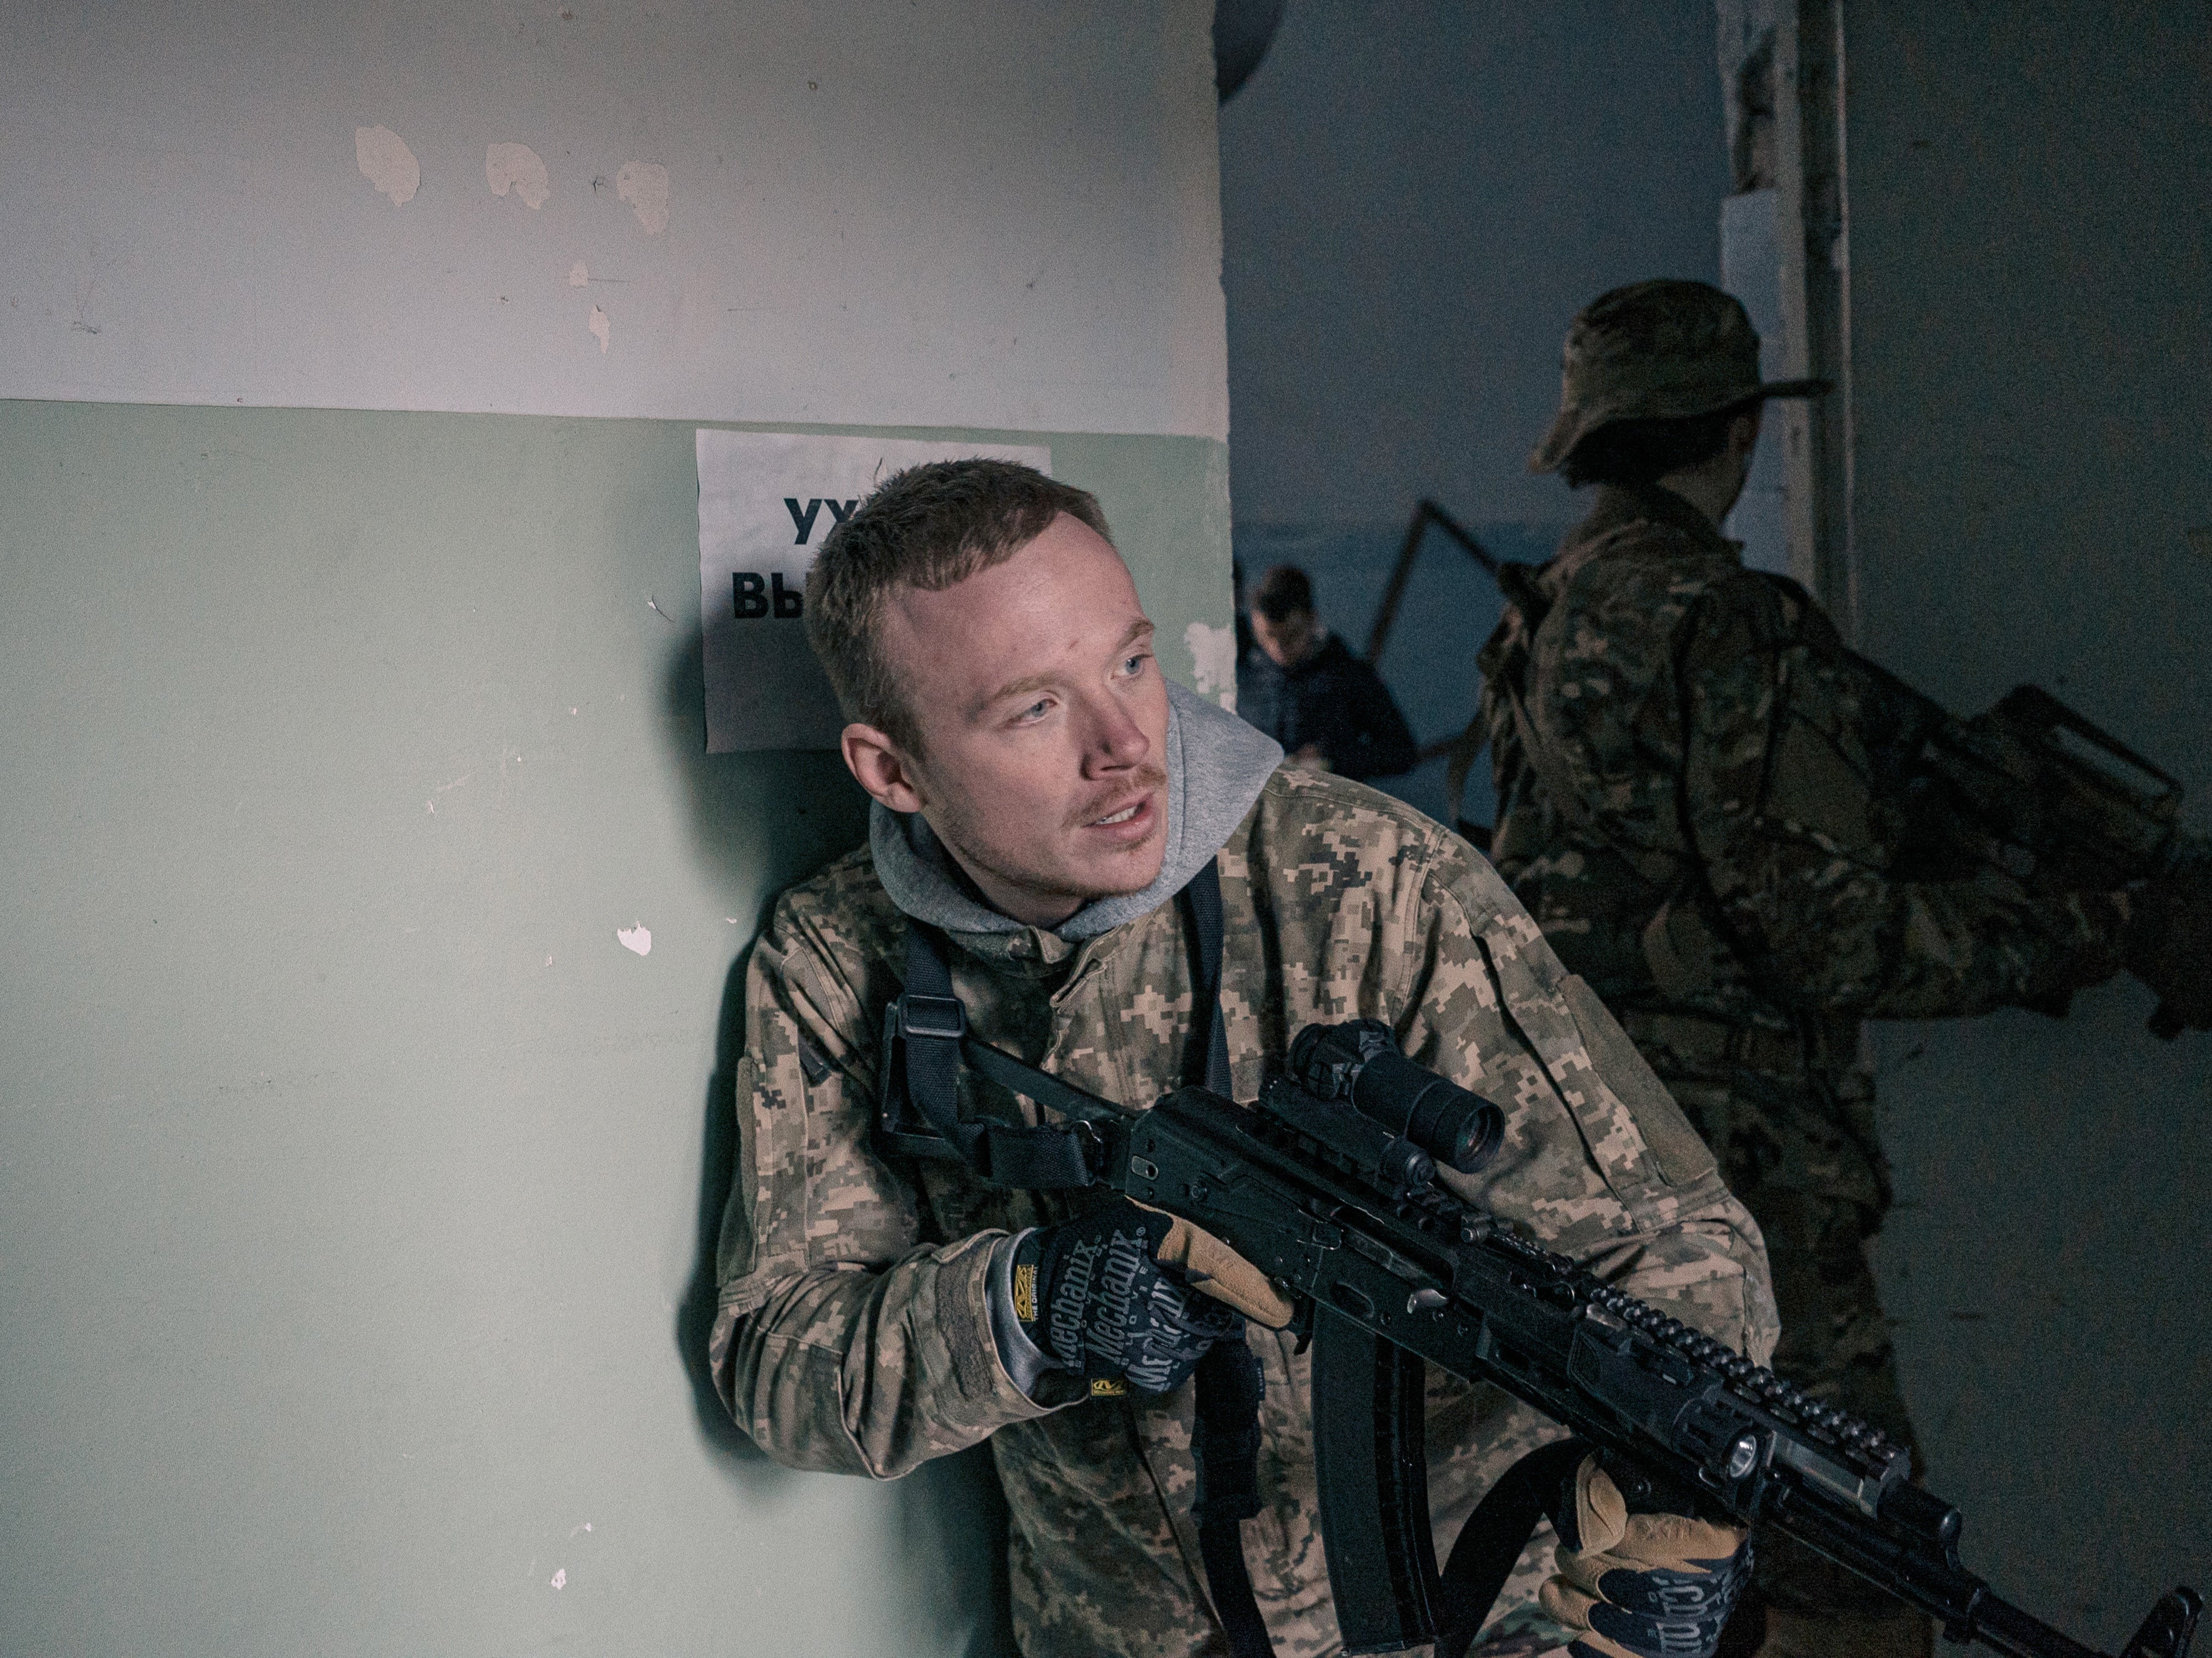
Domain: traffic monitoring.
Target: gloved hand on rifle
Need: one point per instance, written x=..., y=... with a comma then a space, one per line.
x=1124, y=1297
x=1641, y=1585
x=2168, y=946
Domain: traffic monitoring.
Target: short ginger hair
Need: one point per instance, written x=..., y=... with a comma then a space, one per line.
x=932, y=527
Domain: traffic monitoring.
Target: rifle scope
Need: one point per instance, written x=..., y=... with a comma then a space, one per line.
x=1360, y=1064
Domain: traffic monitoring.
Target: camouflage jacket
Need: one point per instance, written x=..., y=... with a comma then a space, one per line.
x=1692, y=804
x=853, y=1334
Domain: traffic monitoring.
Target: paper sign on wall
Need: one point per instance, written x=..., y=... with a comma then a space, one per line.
x=767, y=503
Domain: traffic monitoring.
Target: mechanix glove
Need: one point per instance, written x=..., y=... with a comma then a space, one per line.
x=1129, y=1296
x=2169, y=947
x=1641, y=1585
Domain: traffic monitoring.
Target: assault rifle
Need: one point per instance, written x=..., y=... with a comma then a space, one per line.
x=1329, y=1184
x=2035, y=789
x=2030, y=786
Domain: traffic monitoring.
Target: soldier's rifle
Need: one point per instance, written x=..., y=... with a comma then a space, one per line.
x=2037, y=789
x=2032, y=787
x=1329, y=1184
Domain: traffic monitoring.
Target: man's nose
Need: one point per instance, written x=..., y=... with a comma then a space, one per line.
x=1117, y=740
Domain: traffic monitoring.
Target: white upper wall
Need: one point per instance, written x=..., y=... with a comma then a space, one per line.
x=1001, y=214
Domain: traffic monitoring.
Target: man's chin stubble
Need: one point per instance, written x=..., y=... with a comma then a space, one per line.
x=1091, y=891
x=1052, y=889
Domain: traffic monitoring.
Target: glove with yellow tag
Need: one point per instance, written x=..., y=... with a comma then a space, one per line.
x=1641, y=1585
x=1127, y=1296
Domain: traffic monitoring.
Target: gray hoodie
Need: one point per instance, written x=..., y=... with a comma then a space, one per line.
x=1216, y=765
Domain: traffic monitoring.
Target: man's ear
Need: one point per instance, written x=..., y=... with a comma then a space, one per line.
x=878, y=766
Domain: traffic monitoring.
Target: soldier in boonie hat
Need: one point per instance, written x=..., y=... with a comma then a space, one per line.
x=1665, y=349
x=1691, y=806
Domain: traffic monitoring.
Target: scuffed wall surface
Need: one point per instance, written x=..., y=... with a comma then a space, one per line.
x=996, y=214
x=369, y=995
x=2031, y=409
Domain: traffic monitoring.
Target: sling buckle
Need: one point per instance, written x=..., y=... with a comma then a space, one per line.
x=943, y=1017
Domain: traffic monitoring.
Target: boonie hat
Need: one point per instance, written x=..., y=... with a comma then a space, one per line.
x=1666, y=350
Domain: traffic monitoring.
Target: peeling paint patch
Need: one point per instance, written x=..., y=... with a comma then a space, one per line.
x=1214, y=662
x=579, y=274
x=561, y=1578
x=386, y=162
x=637, y=940
x=517, y=167
x=644, y=185
x=600, y=329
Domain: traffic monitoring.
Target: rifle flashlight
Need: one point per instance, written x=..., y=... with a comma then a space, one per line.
x=1360, y=1064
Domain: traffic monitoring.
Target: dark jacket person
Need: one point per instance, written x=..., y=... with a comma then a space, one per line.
x=1298, y=684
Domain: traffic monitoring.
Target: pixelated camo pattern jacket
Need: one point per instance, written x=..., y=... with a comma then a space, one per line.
x=853, y=1334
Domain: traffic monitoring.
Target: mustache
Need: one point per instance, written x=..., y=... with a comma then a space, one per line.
x=1140, y=783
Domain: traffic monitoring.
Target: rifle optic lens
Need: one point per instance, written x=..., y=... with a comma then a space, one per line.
x=1360, y=1063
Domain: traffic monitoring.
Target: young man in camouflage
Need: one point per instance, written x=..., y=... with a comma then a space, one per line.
x=1042, y=794
x=1691, y=804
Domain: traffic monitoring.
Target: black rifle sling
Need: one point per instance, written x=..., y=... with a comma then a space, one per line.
x=1203, y=894
x=926, y=1040
x=926, y=1032
x=1225, y=1429
x=1491, y=1538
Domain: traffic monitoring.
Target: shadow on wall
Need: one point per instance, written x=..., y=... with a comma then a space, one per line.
x=762, y=822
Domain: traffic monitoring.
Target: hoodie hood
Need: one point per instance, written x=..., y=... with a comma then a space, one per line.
x=1216, y=765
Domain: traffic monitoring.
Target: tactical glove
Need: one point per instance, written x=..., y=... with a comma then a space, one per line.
x=1641, y=1585
x=2169, y=947
x=1206, y=1263
x=1114, y=1296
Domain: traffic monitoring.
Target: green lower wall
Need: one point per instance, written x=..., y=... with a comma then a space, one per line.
x=355, y=1183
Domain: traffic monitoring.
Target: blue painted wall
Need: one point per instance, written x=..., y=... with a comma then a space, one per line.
x=1415, y=199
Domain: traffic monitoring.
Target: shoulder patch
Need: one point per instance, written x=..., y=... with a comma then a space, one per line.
x=1684, y=1160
